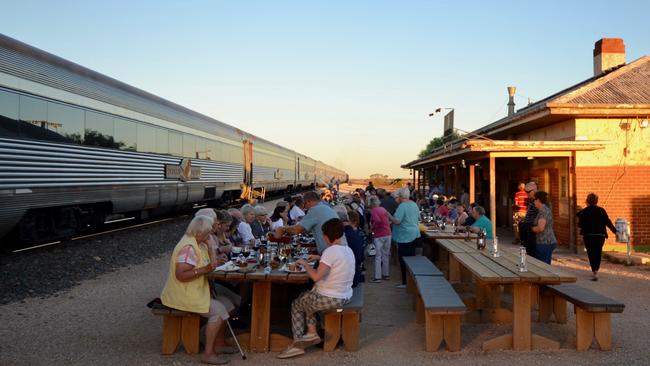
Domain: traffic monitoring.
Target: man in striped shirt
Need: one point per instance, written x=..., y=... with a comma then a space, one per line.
x=525, y=233
x=521, y=206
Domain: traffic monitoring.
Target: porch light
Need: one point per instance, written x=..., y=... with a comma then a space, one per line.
x=531, y=158
x=462, y=163
x=644, y=123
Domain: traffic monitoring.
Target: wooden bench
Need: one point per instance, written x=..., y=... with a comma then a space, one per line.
x=418, y=266
x=592, y=313
x=344, y=322
x=178, y=327
x=441, y=309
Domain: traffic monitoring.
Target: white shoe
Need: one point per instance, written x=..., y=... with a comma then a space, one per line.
x=306, y=341
x=291, y=351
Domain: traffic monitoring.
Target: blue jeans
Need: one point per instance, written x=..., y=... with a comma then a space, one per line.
x=543, y=252
x=405, y=250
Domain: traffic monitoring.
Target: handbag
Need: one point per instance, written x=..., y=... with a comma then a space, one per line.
x=371, y=251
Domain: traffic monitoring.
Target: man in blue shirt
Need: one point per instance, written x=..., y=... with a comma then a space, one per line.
x=318, y=213
x=481, y=223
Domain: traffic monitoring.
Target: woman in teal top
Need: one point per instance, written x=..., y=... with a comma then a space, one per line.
x=481, y=223
x=405, y=228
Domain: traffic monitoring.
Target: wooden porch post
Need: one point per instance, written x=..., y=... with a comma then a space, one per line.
x=472, y=188
x=573, y=241
x=493, y=195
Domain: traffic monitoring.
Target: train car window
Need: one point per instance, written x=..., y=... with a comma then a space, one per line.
x=215, y=152
x=201, y=148
x=99, y=131
x=67, y=121
x=175, y=144
x=33, y=120
x=146, y=138
x=126, y=133
x=9, y=123
x=189, y=146
x=162, y=141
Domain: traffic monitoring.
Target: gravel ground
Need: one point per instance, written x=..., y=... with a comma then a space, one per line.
x=47, y=271
x=104, y=321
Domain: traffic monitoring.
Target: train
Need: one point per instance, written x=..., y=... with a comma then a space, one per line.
x=78, y=148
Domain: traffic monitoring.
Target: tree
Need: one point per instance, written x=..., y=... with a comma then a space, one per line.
x=378, y=176
x=438, y=142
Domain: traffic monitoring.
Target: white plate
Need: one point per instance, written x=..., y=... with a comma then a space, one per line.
x=227, y=267
x=285, y=269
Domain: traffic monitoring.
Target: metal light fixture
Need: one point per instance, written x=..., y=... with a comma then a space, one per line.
x=462, y=163
x=644, y=123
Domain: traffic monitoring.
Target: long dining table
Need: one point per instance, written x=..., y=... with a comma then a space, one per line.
x=260, y=338
x=491, y=272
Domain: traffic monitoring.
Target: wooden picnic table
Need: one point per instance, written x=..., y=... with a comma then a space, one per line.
x=491, y=272
x=448, y=233
x=260, y=339
x=432, y=235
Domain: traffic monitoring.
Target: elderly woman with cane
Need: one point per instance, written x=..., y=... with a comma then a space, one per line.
x=187, y=287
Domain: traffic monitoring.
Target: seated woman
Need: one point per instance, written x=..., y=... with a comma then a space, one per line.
x=187, y=287
x=355, y=241
x=280, y=217
x=332, y=288
x=462, y=215
x=244, y=228
x=260, y=226
x=442, y=209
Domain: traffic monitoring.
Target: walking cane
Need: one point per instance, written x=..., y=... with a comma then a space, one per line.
x=243, y=356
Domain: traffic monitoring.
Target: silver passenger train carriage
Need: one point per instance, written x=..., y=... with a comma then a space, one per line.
x=77, y=147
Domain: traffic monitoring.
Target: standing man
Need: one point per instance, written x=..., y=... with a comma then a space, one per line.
x=317, y=214
x=521, y=206
x=526, y=234
x=464, y=195
x=388, y=201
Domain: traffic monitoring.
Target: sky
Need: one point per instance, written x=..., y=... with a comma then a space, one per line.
x=350, y=83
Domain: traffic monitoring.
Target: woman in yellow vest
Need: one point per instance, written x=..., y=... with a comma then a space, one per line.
x=187, y=288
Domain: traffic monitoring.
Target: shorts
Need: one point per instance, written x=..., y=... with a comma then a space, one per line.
x=220, y=309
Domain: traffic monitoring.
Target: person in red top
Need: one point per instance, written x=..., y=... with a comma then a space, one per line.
x=382, y=235
x=442, y=209
x=521, y=205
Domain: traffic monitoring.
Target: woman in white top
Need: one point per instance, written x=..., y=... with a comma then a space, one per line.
x=280, y=217
x=244, y=228
x=332, y=288
x=296, y=213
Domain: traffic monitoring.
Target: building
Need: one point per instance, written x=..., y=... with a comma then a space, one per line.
x=589, y=137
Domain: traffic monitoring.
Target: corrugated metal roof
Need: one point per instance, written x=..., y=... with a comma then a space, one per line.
x=628, y=85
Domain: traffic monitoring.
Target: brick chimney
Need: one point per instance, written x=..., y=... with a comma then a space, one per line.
x=608, y=53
